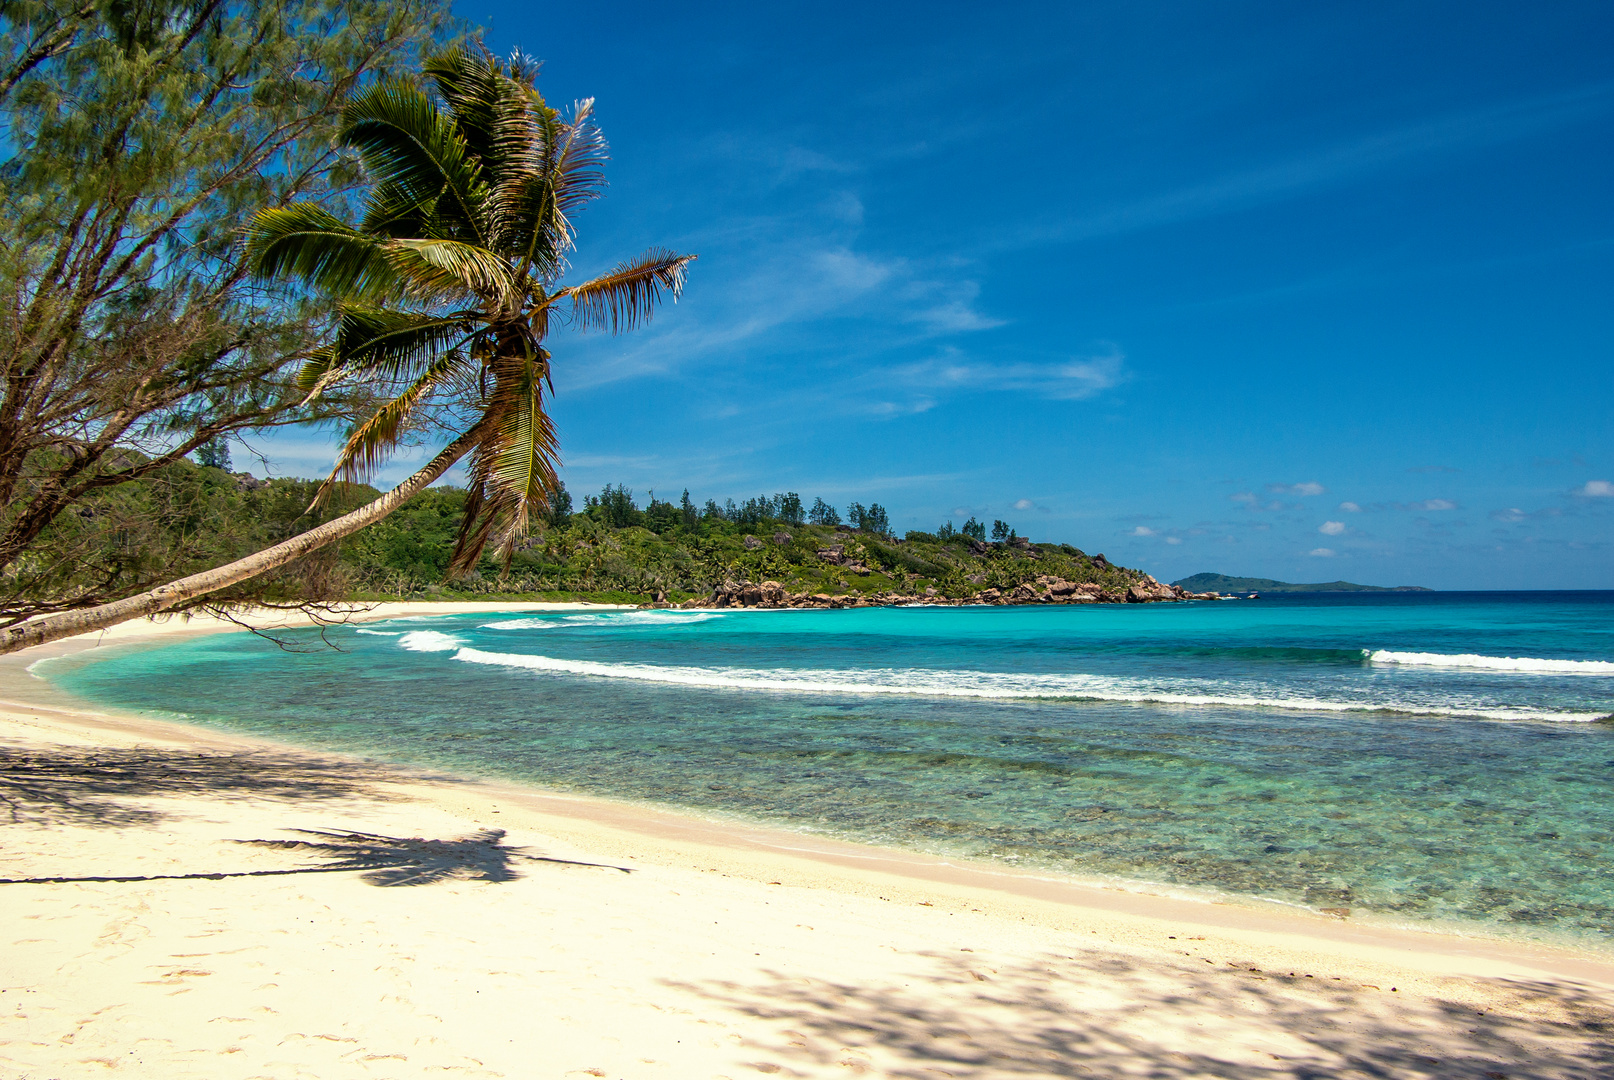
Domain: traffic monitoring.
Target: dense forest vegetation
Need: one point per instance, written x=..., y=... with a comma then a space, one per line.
x=609, y=549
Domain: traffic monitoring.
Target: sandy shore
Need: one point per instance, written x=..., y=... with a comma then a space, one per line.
x=178, y=902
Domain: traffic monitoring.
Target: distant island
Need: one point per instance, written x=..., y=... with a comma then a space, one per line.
x=1221, y=583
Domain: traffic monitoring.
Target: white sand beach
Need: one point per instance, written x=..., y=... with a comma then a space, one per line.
x=179, y=902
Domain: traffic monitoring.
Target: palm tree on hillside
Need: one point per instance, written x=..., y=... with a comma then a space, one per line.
x=444, y=290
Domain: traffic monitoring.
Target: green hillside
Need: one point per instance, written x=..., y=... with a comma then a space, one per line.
x=1223, y=584
x=612, y=550
x=190, y=517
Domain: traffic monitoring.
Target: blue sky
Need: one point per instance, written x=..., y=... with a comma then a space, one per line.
x=1298, y=291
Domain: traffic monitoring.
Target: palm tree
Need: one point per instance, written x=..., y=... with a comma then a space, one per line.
x=444, y=292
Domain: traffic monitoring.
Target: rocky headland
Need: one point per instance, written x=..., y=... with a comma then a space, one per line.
x=1044, y=589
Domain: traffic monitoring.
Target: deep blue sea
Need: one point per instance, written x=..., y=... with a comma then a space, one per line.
x=1413, y=757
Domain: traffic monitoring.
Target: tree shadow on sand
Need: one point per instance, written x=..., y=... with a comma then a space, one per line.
x=381, y=860
x=1106, y=1016
x=87, y=787
x=392, y=860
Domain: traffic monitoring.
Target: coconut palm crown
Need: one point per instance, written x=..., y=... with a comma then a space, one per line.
x=446, y=287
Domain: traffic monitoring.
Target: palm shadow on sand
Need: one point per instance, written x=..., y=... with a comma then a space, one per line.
x=392, y=860
x=381, y=860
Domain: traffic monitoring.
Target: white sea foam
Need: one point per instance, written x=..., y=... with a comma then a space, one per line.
x=924, y=682
x=429, y=641
x=1473, y=661
x=32, y=668
x=607, y=618
x=381, y=633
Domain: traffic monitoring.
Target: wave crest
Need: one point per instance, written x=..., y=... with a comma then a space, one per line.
x=1475, y=662
x=429, y=641
x=924, y=682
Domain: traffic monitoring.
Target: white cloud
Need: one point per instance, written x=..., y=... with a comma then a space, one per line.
x=1321, y=553
x=1024, y=504
x=1244, y=497
x=1597, y=489
x=1071, y=380
x=1331, y=528
x=1173, y=540
x=954, y=308
x=1350, y=508
x=1307, y=487
x=1142, y=530
x=845, y=269
x=1433, y=504
x=896, y=408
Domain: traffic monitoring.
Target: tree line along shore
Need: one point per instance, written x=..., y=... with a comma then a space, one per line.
x=762, y=552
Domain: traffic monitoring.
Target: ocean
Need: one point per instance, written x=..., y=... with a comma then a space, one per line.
x=1416, y=758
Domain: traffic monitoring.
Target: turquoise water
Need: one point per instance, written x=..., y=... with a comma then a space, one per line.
x=1412, y=757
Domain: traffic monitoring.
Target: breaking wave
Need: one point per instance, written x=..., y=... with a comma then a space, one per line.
x=429, y=641
x=924, y=682
x=1475, y=662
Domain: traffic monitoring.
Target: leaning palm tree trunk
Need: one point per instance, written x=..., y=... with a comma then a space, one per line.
x=164, y=597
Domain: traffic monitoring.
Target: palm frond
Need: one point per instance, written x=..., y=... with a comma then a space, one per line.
x=534, y=204
x=369, y=444
x=451, y=270
x=391, y=211
x=527, y=227
x=492, y=103
x=579, y=173
x=628, y=295
x=318, y=371
x=468, y=83
x=513, y=470
x=409, y=145
x=385, y=343
x=310, y=243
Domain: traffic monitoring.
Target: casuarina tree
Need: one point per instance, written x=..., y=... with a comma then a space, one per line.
x=137, y=137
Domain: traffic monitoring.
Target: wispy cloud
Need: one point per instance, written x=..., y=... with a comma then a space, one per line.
x=948, y=307
x=779, y=282
x=1432, y=504
x=1075, y=379
x=1322, y=553
x=1142, y=530
x=1350, y=508
x=1253, y=501
x=1307, y=487
x=1596, y=489
x=1433, y=469
x=1513, y=514
x=1331, y=528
